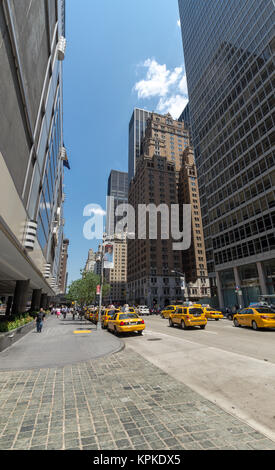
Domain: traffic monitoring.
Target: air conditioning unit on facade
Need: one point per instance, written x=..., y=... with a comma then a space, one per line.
x=47, y=270
x=61, y=48
x=30, y=234
x=63, y=153
x=55, y=233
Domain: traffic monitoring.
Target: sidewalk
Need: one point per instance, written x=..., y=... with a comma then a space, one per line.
x=58, y=345
x=120, y=401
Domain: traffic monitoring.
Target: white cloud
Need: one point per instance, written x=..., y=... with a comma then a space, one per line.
x=158, y=79
x=169, y=86
x=173, y=105
x=183, y=85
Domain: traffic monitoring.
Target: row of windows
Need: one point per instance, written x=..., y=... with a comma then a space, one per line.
x=217, y=20
x=231, y=120
x=234, y=146
x=47, y=193
x=261, y=111
x=241, y=56
x=250, y=211
x=255, y=227
x=260, y=184
x=239, y=163
x=239, y=95
x=241, y=197
x=242, y=250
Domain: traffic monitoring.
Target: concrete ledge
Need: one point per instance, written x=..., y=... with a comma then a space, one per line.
x=11, y=337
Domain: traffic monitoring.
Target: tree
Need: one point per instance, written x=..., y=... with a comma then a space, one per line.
x=83, y=290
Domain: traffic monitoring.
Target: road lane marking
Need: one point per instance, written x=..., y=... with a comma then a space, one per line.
x=82, y=331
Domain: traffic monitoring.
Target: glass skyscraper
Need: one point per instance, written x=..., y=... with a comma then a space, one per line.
x=118, y=190
x=137, y=128
x=32, y=47
x=229, y=59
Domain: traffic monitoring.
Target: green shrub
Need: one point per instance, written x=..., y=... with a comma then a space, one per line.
x=14, y=322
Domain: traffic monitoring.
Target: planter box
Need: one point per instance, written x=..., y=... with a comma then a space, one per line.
x=10, y=337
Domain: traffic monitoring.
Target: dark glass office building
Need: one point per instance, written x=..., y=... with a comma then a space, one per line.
x=137, y=128
x=229, y=58
x=118, y=190
x=185, y=117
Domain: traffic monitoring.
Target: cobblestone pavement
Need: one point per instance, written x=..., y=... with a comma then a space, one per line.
x=117, y=402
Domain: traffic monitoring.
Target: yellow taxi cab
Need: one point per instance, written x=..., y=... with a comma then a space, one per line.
x=186, y=317
x=168, y=310
x=210, y=312
x=126, y=322
x=255, y=317
x=108, y=315
x=94, y=316
x=88, y=311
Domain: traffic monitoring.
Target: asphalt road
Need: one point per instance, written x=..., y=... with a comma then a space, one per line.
x=232, y=367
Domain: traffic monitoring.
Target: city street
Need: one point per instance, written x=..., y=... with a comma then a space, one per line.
x=232, y=367
x=160, y=392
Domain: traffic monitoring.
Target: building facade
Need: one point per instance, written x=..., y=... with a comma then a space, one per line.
x=158, y=179
x=117, y=194
x=185, y=117
x=117, y=277
x=32, y=47
x=137, y=128
x=63, y=275
x=194, y=259
x=229, y=60
x=91, y=261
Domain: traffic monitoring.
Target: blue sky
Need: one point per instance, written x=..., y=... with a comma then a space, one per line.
x=120, y=54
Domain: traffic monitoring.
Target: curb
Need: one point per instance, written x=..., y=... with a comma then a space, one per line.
x=9, y=338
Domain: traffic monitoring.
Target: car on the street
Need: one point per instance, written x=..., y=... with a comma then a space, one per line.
x=107, y=315
x=143, y=310
x=187, y=317
x=228, y=312
x=127, y=308
x=255, y=317
x=95, y=314
x=212, y=313
x=126, y=322
x=88, y=311
x=168, y=310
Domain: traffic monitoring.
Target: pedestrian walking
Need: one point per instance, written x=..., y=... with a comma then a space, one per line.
x=71, y=310
x=64, y=312
x=58, y=312
x=39, y=320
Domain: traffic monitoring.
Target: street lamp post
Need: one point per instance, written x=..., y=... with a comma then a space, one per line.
x=101, y=258
x=185, y=285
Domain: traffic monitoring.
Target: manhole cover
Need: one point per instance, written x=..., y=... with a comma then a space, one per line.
x=154, y=339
